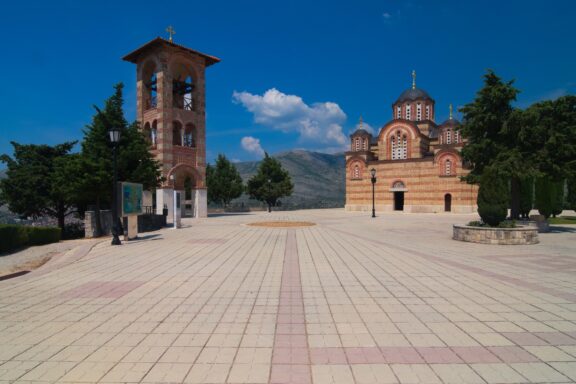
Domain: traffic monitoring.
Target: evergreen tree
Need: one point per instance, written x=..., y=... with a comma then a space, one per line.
x=557, y=197
x=270, y=183
x=135, y=162
x=223, y=181
x=31, y=187
x=544, y=196
x=488, y=125
x=526, y=196
x=492, y=198
x=571, y=197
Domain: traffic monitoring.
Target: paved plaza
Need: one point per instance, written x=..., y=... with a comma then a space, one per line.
x=350, y=300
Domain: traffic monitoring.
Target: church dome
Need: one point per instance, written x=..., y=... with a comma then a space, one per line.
x=450, y=123
x=413, y=94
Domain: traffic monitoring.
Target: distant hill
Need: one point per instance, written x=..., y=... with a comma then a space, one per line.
x=319, y=179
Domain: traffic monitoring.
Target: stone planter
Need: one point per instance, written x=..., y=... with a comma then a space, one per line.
x=502, y=236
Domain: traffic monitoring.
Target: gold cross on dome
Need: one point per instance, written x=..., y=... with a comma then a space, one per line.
x=171, y=32
x=413, y=79
x=450, y=111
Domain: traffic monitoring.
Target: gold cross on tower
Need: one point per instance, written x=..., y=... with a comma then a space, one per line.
x=450, y=111
x=171, y=32
x=413, y=79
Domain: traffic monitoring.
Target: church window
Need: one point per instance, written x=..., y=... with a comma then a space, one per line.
x=357, y=144
x=419, y=112
x=448, y=136
x=356, y=173
x=399, y=112
x=365, y=144
x=154, y=134
x=448, y=167
x=456, y=136
x=408, y=112
x=399, y=146
x=427, y=112
x=149, y=85
x=189, y=136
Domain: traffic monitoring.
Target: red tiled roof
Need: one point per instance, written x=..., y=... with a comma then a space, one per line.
x=134, y=55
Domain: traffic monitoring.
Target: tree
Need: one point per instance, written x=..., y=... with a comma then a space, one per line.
x=223, y=181
x=544, y=195
x=526, y=195
x=135, y=162
x=492, y=138
x=571, y=197
x=31, y=188
x=493, y=198
x=270, y=183
x=557, y=197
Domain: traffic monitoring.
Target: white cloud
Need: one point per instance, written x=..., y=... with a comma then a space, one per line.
x=386, y=15
x=365, y=126
x=318, y=123
x=252, y=145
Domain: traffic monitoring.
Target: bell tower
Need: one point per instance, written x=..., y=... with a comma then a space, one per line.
x=170, y=106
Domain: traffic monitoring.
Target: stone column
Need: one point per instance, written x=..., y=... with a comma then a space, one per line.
x=200, y=203
x=165, y=197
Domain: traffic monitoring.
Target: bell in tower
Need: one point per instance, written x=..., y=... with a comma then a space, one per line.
x=170, y=105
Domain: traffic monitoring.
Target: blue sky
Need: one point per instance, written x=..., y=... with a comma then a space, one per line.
x=294, y=74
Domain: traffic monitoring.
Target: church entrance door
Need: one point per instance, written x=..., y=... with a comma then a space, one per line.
x=398, y=201
x=447, y=202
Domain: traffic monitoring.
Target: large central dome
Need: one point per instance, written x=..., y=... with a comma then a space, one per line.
x=413, y=94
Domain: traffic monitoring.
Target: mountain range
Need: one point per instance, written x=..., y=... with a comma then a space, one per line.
x=319, y=179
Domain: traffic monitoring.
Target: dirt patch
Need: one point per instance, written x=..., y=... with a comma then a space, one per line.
x=282, y=224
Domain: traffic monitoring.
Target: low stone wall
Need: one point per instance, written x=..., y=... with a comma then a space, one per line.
x=146, y=223
x=502, y=236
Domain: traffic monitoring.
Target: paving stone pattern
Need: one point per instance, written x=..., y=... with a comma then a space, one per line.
x=351, y=300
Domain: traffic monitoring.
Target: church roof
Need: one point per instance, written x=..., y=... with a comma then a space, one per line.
x=413, y=94
x=360, y=132
x=451, y=122
x=135, y=55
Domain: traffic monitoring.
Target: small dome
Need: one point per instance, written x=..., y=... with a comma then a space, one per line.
x=361, y=132
x=413, y=94
x=450, y=123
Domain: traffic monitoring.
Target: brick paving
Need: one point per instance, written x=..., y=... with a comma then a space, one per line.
x=351, y=300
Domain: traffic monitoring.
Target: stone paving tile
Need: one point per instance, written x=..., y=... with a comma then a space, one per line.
x=351, y=300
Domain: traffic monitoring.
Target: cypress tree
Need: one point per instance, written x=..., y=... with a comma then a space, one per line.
x=493, y=197
x=543, y=188
x=526, y=196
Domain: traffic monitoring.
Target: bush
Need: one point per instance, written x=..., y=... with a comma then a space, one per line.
x=557, y=197
x=545, y=196
x=493, y=196
x=526, y=196
x=15, y=236
x=73, y=231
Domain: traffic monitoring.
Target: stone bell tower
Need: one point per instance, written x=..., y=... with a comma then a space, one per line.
x=171, y=110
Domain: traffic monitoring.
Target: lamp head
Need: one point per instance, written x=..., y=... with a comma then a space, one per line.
x=114, y=133
x=373, y=172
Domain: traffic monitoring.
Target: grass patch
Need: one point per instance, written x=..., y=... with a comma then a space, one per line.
x=562, y=220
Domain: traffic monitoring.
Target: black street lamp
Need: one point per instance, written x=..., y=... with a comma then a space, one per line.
x=373, y=180
x=115, y=139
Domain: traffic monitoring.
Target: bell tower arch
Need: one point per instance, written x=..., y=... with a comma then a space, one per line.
x=171, y=92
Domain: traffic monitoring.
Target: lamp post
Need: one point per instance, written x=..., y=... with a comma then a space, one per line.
x=114, y=133
x=373, y=180
x=173, y=180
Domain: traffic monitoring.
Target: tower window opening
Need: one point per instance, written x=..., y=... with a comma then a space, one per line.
x=182, y=93
x=448, y=136
x=176, y=133
x=408, y=112
x=189, y=140
x=418, y=112
x=151, y=87
x=365, y=144
x=154, y=134
x=427, y=112
x=456, y=137
x=399, y=112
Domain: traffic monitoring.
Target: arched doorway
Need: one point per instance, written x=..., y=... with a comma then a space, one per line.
x=447, y=202
x=398, y=188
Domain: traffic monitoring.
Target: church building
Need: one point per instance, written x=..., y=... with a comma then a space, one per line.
x=417, y=163
x=171, y=110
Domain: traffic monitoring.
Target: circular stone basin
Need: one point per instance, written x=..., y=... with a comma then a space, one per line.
x=281, y=224
x=502, y=236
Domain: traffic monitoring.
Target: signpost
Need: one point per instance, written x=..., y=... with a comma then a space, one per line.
x=131, y=206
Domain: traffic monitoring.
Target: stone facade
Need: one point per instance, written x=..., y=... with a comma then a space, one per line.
x=417, y=163
x=501, y=236
x=171, y=110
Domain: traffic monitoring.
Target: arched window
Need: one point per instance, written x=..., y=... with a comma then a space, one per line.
x=419, y=112
x=147, y=132
x=188, y=102
x=399, y=112
x=149, y=86
x=189, y=136
x=365, y=144
x=448, y=167
x=456, y=136
x=177, y=133
x=357, y=144
x=427, y=112
x=182, y=87
x=399, y=146
x=408, y=112
x=154, y=133
x=356, y=172
x=448, y=136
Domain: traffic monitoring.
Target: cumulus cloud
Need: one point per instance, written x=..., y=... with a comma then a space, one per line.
x=365, y=126
x=252, y=145
x=318, y=123
x=386, y=15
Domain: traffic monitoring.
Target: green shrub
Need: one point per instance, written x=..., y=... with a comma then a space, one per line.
x=73, y=231
x=12, y=236
x=15, y=236
x=557, y=197
x=43, y=235
x=545, y=196
x=526, y=196
x=493, y=197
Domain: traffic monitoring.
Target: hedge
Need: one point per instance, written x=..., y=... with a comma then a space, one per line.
x=15, y=236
